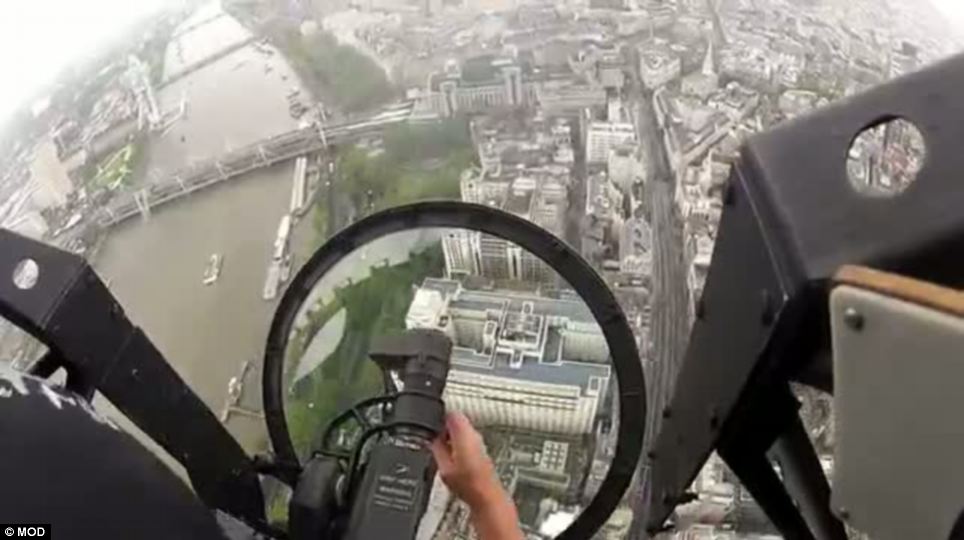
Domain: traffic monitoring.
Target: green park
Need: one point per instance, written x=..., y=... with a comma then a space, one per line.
x=374, y=306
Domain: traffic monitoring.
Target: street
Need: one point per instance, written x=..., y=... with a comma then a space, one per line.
x=669, y=326
x=577, y=192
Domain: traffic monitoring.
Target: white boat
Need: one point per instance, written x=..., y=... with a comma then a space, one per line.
x=213, y=270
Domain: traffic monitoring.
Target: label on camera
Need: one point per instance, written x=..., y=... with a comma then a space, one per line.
x=397, y=489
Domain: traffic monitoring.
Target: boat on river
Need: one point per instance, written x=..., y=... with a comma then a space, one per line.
x=213, y=270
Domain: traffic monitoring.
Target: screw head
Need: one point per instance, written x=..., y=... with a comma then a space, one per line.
x=853, y=319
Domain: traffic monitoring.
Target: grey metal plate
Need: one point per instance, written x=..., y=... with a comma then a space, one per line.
x=805, y=161
x=897, y=404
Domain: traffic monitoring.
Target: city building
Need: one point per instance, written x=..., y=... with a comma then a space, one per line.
x=610, y=70
x=606, y=438
x=519, y=359
x=506, y=142
x=604, y=200
x=735, y=101
x=557, y=99
x=795, y=102
x=606, y=208
x=636, y=248
x=661, y=14
x=482, y=83
x=603, y=137
x=525, y=170
x=614, y=109
x=50, y=176
x=749, y=64
x=463, y=253
x=692, y=128
x=539, y=195
x=704, y=82
x=658, y=66
x=700, y=264
x=625, y=168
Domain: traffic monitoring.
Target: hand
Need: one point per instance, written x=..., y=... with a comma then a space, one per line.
x=463, y=464
x=469, y=474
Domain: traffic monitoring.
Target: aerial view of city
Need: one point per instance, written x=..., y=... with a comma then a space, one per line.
x=199, y=158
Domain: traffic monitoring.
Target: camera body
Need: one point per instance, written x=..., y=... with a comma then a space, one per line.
x=382, y=491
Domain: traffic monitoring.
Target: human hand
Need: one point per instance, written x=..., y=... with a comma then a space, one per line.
x=463, y=464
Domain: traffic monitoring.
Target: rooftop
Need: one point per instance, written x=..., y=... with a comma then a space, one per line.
x=519, y=201
x=565, y=306
x=567, y=373
x=527, y=320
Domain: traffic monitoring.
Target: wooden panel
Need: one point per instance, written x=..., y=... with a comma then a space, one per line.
x=943, y=299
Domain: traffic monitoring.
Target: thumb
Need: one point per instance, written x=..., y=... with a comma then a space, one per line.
x=443, y=455
x=463, y=437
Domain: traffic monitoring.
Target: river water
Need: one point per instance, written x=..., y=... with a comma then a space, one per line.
x=155, y=267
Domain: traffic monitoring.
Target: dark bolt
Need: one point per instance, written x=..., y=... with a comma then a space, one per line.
x=854, y=319
x=667, y=412
x=766, y=317
x=844, y=514
x=700, y=309
x=651, y=454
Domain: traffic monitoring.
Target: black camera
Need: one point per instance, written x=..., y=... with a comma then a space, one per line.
x=382, y=488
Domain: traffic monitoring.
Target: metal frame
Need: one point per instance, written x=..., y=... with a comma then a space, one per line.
x=575, y=270
x=87, y=333
x=791, y=218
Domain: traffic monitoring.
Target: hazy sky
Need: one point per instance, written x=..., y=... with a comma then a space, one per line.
x=39, y=37
x=953, y=9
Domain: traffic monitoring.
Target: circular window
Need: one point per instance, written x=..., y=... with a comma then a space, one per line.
x=884, y=159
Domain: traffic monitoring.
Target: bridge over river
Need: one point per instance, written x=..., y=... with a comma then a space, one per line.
x=233, y=164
